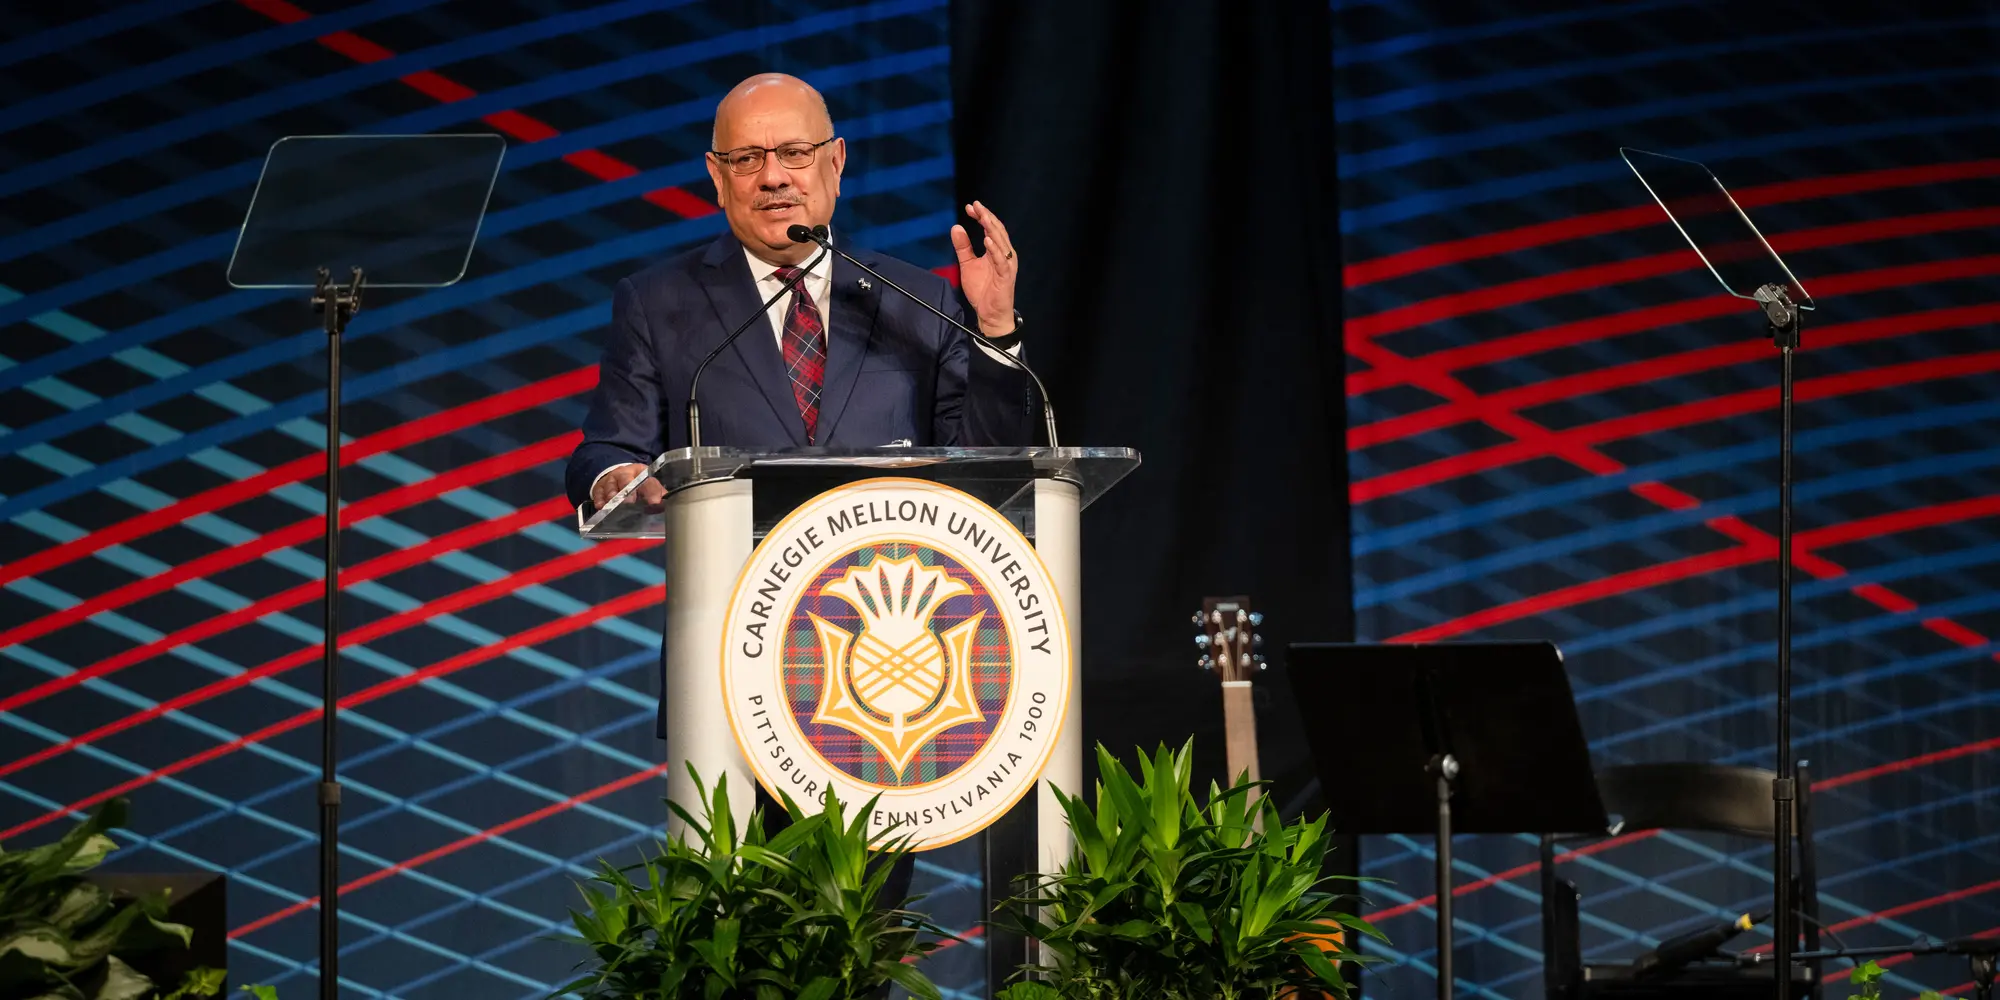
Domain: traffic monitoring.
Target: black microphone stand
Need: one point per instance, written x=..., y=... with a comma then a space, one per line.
x=817, y=234
x=1781, y=317
x=336, y=306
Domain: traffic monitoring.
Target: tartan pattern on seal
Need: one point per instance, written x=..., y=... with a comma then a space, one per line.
x=991, y=667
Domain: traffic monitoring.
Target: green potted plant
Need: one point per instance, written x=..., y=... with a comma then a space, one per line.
x=1167, y=899
x=61, y=935
x=723, y=914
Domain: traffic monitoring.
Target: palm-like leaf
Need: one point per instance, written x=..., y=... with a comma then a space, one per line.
x=1166, y=897
x=723, y=913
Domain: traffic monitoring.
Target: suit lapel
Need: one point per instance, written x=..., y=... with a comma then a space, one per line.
x=853, y=320
x=725, y=276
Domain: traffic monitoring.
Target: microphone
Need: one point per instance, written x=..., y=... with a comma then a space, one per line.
x=694, y=407
x=817, y=234
x=1675, y=953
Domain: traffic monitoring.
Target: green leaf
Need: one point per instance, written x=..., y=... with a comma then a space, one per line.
x=916, y=982
x=1135, y=929
x=1028, y=989
x=199, y=982
x=727, y=932
x=179, y=932
x=83, y=903
x=818, y=989
x=1355, y=923
x=40, y=864
x=1320, y=965
x=122, y=982
x=1197, y=920
x=261, y=992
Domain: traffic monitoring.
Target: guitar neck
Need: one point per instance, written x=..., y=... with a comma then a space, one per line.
x=1229, y=643
x=1239, y=721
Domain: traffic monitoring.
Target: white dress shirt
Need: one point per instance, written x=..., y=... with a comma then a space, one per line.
x=818, y=286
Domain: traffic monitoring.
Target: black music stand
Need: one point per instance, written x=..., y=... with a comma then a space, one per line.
x=1475, y=737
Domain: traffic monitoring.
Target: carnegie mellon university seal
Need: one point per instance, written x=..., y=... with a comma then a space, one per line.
x=898, y=638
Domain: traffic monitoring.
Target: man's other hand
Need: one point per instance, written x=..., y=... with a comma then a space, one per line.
x=987, y=279
x=607, y=486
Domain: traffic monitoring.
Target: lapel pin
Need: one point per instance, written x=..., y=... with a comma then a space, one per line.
x=864, y=284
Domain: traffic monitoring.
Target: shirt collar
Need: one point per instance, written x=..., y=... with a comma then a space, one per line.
x=762, y=270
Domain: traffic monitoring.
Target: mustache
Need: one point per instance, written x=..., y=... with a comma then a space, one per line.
x=774, y=199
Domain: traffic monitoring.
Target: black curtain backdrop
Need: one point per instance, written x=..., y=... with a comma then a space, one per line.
x=1166, y=174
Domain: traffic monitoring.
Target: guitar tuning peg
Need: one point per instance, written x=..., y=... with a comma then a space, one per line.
x=1215, y=617
x=1259, y=661
x=1256, y=642
x=1204, y=663
x=1201, y=641
x=1240, y=616
x=1256, y=618
x=1198, y=619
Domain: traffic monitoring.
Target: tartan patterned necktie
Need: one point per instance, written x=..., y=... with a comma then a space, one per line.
x=805, y=351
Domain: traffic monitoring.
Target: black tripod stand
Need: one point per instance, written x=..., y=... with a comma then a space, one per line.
x=336, y=306
x=407, y=207
x=1741, y=259
x=1781, y=317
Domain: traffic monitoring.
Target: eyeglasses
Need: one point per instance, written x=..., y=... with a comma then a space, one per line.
x=750, y=159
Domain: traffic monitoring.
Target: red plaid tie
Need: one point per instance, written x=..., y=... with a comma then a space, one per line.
x=805, y=351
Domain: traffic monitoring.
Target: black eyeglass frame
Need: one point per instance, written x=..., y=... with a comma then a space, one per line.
x=812, y=149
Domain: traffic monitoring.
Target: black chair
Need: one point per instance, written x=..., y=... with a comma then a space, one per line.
x=1713, y=798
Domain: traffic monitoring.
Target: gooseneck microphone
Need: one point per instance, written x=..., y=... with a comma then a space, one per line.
x=1675, y=953
x=694, y=384
x=817, y=234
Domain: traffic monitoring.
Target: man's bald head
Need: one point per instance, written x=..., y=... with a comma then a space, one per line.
x=760, y=195
x=763, y=93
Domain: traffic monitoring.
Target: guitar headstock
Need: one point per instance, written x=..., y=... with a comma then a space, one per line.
x=1227, y=637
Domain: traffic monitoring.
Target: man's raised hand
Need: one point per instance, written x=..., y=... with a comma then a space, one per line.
x=988, y=279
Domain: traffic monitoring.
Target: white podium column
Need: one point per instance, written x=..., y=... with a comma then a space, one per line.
x=1058, y=506
x=708, y=528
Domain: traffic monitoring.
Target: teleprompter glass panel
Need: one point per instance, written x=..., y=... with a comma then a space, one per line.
x=1715, y=225
x=405, y=209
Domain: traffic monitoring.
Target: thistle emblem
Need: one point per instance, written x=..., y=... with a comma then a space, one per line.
x=895, y=683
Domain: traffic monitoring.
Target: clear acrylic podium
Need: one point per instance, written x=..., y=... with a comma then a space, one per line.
x=720, y=502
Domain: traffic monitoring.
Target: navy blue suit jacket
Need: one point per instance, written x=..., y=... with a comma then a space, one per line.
x=893, y=370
